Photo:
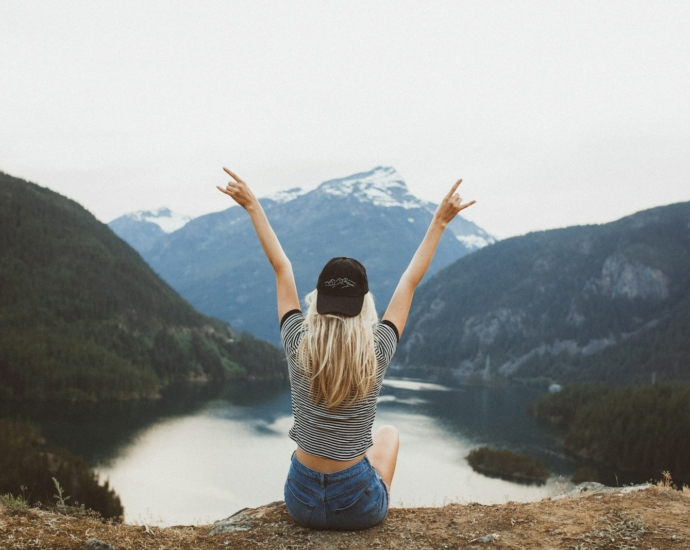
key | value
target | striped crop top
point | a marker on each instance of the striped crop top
(343, 432)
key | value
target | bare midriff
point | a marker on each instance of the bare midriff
(322, 464)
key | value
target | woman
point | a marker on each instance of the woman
(340, 476)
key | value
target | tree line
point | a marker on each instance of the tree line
(28, 467)
(642, 429)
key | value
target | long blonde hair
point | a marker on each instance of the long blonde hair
(337, 353)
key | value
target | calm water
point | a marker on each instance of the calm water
(202, 452)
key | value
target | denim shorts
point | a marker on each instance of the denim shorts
(350, 499)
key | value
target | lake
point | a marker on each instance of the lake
(202, 452)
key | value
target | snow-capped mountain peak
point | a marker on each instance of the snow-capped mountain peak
(287, 195)
(381, 186)
(163, 217)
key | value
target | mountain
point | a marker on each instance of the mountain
(143, 228)
(83, 317)
(216, 262)
(602, 302)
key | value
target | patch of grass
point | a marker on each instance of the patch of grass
(617, 529)
(60, 499)
(14, 503)
(76, 510)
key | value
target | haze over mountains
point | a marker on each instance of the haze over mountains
(216, 262)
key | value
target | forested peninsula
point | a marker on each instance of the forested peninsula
(82, 316)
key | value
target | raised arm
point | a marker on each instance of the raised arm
(399, 306)
(286, 289)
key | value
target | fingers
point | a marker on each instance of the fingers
(454, 188)
(231, 173)
(222, 190)
(454, 201)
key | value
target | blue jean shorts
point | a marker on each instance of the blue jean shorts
(350, 499)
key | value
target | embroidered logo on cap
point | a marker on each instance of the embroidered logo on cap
(339, 283)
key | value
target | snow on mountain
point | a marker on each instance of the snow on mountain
(382, 186)
(475, 241)
(143, 229)
(287, 195)
(163, 217)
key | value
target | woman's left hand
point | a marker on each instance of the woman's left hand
(450, 206)
(238, 190)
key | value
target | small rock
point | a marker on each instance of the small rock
(591, 487)
(242, 520)
(239, 521)
(95, 544)
(491, 537)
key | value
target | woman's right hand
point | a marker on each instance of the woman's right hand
(239, 191)
(450, 206)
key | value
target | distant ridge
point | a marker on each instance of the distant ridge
(142, 229)
(83, 317)
(216, 262)
(604, 303)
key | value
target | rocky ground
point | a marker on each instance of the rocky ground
(591, 517)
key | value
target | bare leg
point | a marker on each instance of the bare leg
(384, 454)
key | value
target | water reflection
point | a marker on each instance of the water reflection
(98, 431)
(201, 453)
(414, 385)
(496, 417)
(234, 451)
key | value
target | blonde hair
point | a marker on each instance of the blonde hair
(337, 353)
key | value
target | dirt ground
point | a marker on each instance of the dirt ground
(657, 517)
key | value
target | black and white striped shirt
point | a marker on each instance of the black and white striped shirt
(343, 432)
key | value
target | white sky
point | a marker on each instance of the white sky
(554, 113)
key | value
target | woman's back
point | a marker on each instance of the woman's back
(342, 432)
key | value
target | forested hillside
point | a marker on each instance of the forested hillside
(602, 303)
(636, 428)
(83, 317)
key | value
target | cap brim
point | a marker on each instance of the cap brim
(350, 306)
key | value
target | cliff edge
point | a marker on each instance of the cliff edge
(590, 517)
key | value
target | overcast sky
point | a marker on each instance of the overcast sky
(555, 113)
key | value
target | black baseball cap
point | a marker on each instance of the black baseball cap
(341, 287)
